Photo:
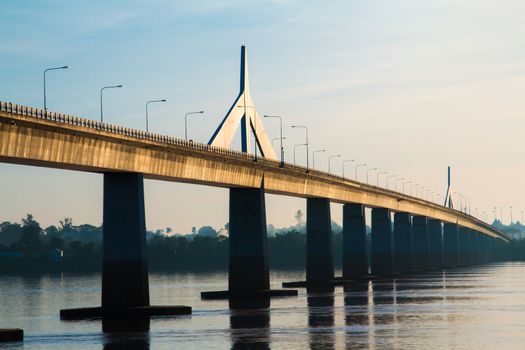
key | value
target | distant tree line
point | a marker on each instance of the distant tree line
(26, 247)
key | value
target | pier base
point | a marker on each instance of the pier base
(102, 312)
(11, 334)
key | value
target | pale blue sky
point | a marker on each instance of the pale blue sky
(408, 86)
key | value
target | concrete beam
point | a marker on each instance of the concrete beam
(355, 255)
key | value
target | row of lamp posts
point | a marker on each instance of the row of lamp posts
(116, 87)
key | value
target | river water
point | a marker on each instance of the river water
(480, 307)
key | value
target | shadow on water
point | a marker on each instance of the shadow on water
(126, 333)
(250, 328)
(321, 319)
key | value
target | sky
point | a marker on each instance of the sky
(407, 86)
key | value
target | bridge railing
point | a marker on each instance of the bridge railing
(88, 123)
(110, 128)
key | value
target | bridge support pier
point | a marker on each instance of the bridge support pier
(464, 246)
(435, 242)
(476, 256)
(421, 246)
(355, 256)
(319, 250)
(403, 243)
(485, 247)
(125, 287)
(248, 273)
(450, 245)
(382, 257)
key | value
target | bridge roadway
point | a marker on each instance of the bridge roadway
(53, 140)
(125, 156)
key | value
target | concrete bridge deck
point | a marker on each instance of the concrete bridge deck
(32, 136)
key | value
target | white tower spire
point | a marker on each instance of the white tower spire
(243, 112)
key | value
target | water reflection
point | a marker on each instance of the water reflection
(250, 328)
(321, 320)
(126, 333)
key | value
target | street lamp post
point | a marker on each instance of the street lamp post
(147, 117)
(313, 156)
(101, 90)
(330, 159)
(396, 182)
(368, 172)
(281, 134)
(378, 174)
(307, 145)
(356, 167)
(412, 185)
(186, 122)
(276, 139)
(295, 149)
(405, 183)
(343, 165)
(45, 71)
(387, 178)
(460, 201)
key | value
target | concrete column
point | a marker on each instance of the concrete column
(464, 246)
(402, 242)
(450, 245)
(355, 255)
(125, 267)
(382, 257)
(482, 248)
(248, 262)
(319, 250)
(486, 248)
(435, 242)
(421, 246)
(476, 254)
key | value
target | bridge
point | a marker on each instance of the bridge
(422, 235)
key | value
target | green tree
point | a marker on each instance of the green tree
(31, 240)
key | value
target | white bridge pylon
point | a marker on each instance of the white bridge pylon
(243, 112)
